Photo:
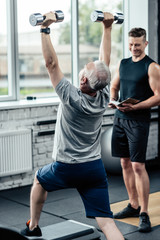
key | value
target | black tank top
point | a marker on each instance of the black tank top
(134, 84)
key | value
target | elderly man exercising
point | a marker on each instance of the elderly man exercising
(77, 152)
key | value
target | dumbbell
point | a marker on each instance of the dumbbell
(98, 16)
(37, 18)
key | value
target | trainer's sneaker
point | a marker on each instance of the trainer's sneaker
(144, 223)
(35, 232)
(129, 211)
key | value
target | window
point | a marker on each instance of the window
(34, 79)
(76, 41)
(90, 33)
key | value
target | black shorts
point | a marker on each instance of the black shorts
(129, 139)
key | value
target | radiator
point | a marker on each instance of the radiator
(15, 152)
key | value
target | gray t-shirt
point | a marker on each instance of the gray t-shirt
(78, 127)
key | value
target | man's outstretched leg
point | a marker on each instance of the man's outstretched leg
(37, 198)
(109, 228)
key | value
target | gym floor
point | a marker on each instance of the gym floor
(66, 204)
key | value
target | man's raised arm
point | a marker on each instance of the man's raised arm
(105, 47)
(49, 53)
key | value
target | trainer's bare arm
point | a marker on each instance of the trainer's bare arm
(105, 47)
(154, 82)
(49, 53)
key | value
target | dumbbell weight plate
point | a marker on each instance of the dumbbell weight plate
(59, 15)
(36, 19)
(97, 16)
(118, 18)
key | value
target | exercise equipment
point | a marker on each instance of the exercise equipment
(37, 18)
(66, 230)
(98, 16)
(70, 229)
(111, 164)
(7, 233)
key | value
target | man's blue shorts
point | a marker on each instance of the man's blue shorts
(88, 178)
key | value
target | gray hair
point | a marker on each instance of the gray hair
(99, 77)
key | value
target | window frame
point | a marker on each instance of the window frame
(75, 41)
(12, 40)
(12, 51)
(13, 55)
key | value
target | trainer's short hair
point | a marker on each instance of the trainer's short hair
(137, 32)
(99, 77)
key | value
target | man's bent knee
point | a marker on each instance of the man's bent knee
(104, 221)
(36, 179)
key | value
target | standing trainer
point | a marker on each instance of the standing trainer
(136, 77)
(77, 152)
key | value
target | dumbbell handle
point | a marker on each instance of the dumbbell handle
(37, 18)
(98, 16)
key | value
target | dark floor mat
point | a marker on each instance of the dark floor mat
(153, 235)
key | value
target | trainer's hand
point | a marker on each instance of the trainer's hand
(127, 107)
(50, 18)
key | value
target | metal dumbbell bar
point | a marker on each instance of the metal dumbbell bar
(37, 18)
(98, 16)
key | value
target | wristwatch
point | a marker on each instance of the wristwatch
(45, 30)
